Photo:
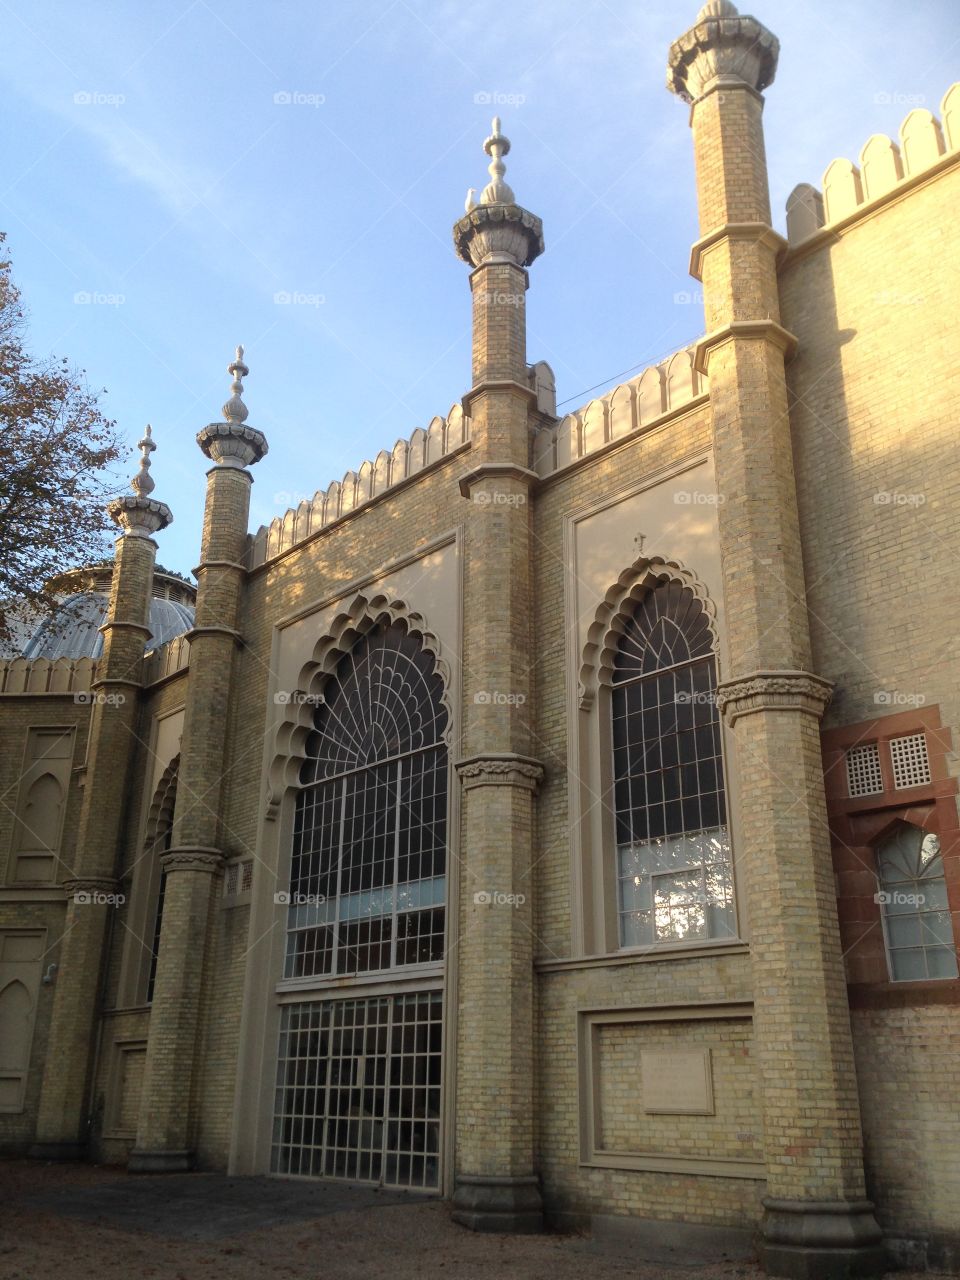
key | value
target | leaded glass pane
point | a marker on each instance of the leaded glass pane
(917, 924)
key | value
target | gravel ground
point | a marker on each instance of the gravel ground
(59, 1221)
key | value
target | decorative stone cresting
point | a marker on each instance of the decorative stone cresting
(192, 859)
(359, 487)
(773, 691)
(652, 394)
(924, 141)
(166, 660)
(354, 621)
(613, 614)
(47, 675)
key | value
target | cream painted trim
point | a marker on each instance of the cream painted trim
(363, 986)
(252, 1119)
(358, 584)
(833, 231)
(592, 1155)
(594, 927)
(388, 493)
(611, 446)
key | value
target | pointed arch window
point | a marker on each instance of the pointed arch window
(368, 873)
(673, 846)
(917, 925)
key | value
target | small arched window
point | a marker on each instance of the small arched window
(368, 873)
(673, 847)
(917, 928)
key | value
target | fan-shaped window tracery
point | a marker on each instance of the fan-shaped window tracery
(368, 873)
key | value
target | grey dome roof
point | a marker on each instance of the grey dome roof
(74, 630)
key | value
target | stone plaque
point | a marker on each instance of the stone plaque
(677, 1082)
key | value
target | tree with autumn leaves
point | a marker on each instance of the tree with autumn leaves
(55, 444)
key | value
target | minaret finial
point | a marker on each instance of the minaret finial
(235, 410)
(497, 146)
(142, 483)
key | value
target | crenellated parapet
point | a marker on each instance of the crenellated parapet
(923, 141)
(47, 675)
(166, 660)
(357, 488)
(655, 393)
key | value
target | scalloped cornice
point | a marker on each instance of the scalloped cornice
(603, 636)
(361, 615)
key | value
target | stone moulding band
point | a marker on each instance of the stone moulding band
(500, 769)
(763, 330)
(759, 232)
(490, 470)
(517, 389)
(192, 858)
(773, 691)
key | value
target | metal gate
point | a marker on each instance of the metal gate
(358, 1090)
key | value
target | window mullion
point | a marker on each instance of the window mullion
(335, 967)
(396, 868)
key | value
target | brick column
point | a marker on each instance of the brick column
(497, 1188)
(193, 862)
(92, 884)
(817, 1221)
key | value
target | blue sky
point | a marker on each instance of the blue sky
(148, 163)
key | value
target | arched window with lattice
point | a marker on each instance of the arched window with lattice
(674, 874)
(368, 872)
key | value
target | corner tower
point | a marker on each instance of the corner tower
(817, 1221)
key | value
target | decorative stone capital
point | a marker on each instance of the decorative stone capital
(722, 49)
(500, 769)
(192, 858)
(499, 233)
(90, 885)
(773, 691)
(139, 517)
(232, 445)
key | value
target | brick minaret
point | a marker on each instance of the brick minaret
(817, 1222)
(497, 1187)
(92, 882)
(192, 864)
